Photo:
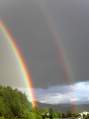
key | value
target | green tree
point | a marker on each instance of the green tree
(59, 114)
(63, 115)
(2, 117)
(50, 110)
(2, 107)
(51, 113)
(87, 116)
(28, 115)
(69, 114)
(45, 110)
(54, 115)
(13, 103)
(72, 114)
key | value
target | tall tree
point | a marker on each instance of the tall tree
(59, 114)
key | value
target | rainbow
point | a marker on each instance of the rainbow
(57, 42)
(25, 73)
(56, 38)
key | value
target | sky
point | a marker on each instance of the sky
(52, 36)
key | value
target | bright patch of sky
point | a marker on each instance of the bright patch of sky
(76, 94)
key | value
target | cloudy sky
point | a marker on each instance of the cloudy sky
(52, 36)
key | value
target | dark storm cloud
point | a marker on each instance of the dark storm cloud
(30, 30)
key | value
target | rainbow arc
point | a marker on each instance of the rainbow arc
(17, 53)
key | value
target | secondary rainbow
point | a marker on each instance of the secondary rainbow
(25, 73)
(58, 43)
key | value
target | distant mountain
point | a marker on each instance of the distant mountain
(65, 107)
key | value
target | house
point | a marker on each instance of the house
(84, 113)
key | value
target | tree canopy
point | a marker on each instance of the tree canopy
(13, 102)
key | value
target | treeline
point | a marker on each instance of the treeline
(15, 105)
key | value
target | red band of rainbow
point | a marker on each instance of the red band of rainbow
(27, 76)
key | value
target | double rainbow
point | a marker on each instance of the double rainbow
(27, 76)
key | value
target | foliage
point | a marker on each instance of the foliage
(37, 113)
(2, 118)
(72, 114)
(86, 116)
(13, 102)
(54, 115)
(51, 111)
(15, 105)
(59, 114)
(2, 107)
(28, 114)
(45, 110)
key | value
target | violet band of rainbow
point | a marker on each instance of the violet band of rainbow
(24, 70)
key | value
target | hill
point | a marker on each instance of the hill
(65, 107)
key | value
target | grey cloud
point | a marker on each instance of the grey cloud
(77, 94)
(28, 25)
